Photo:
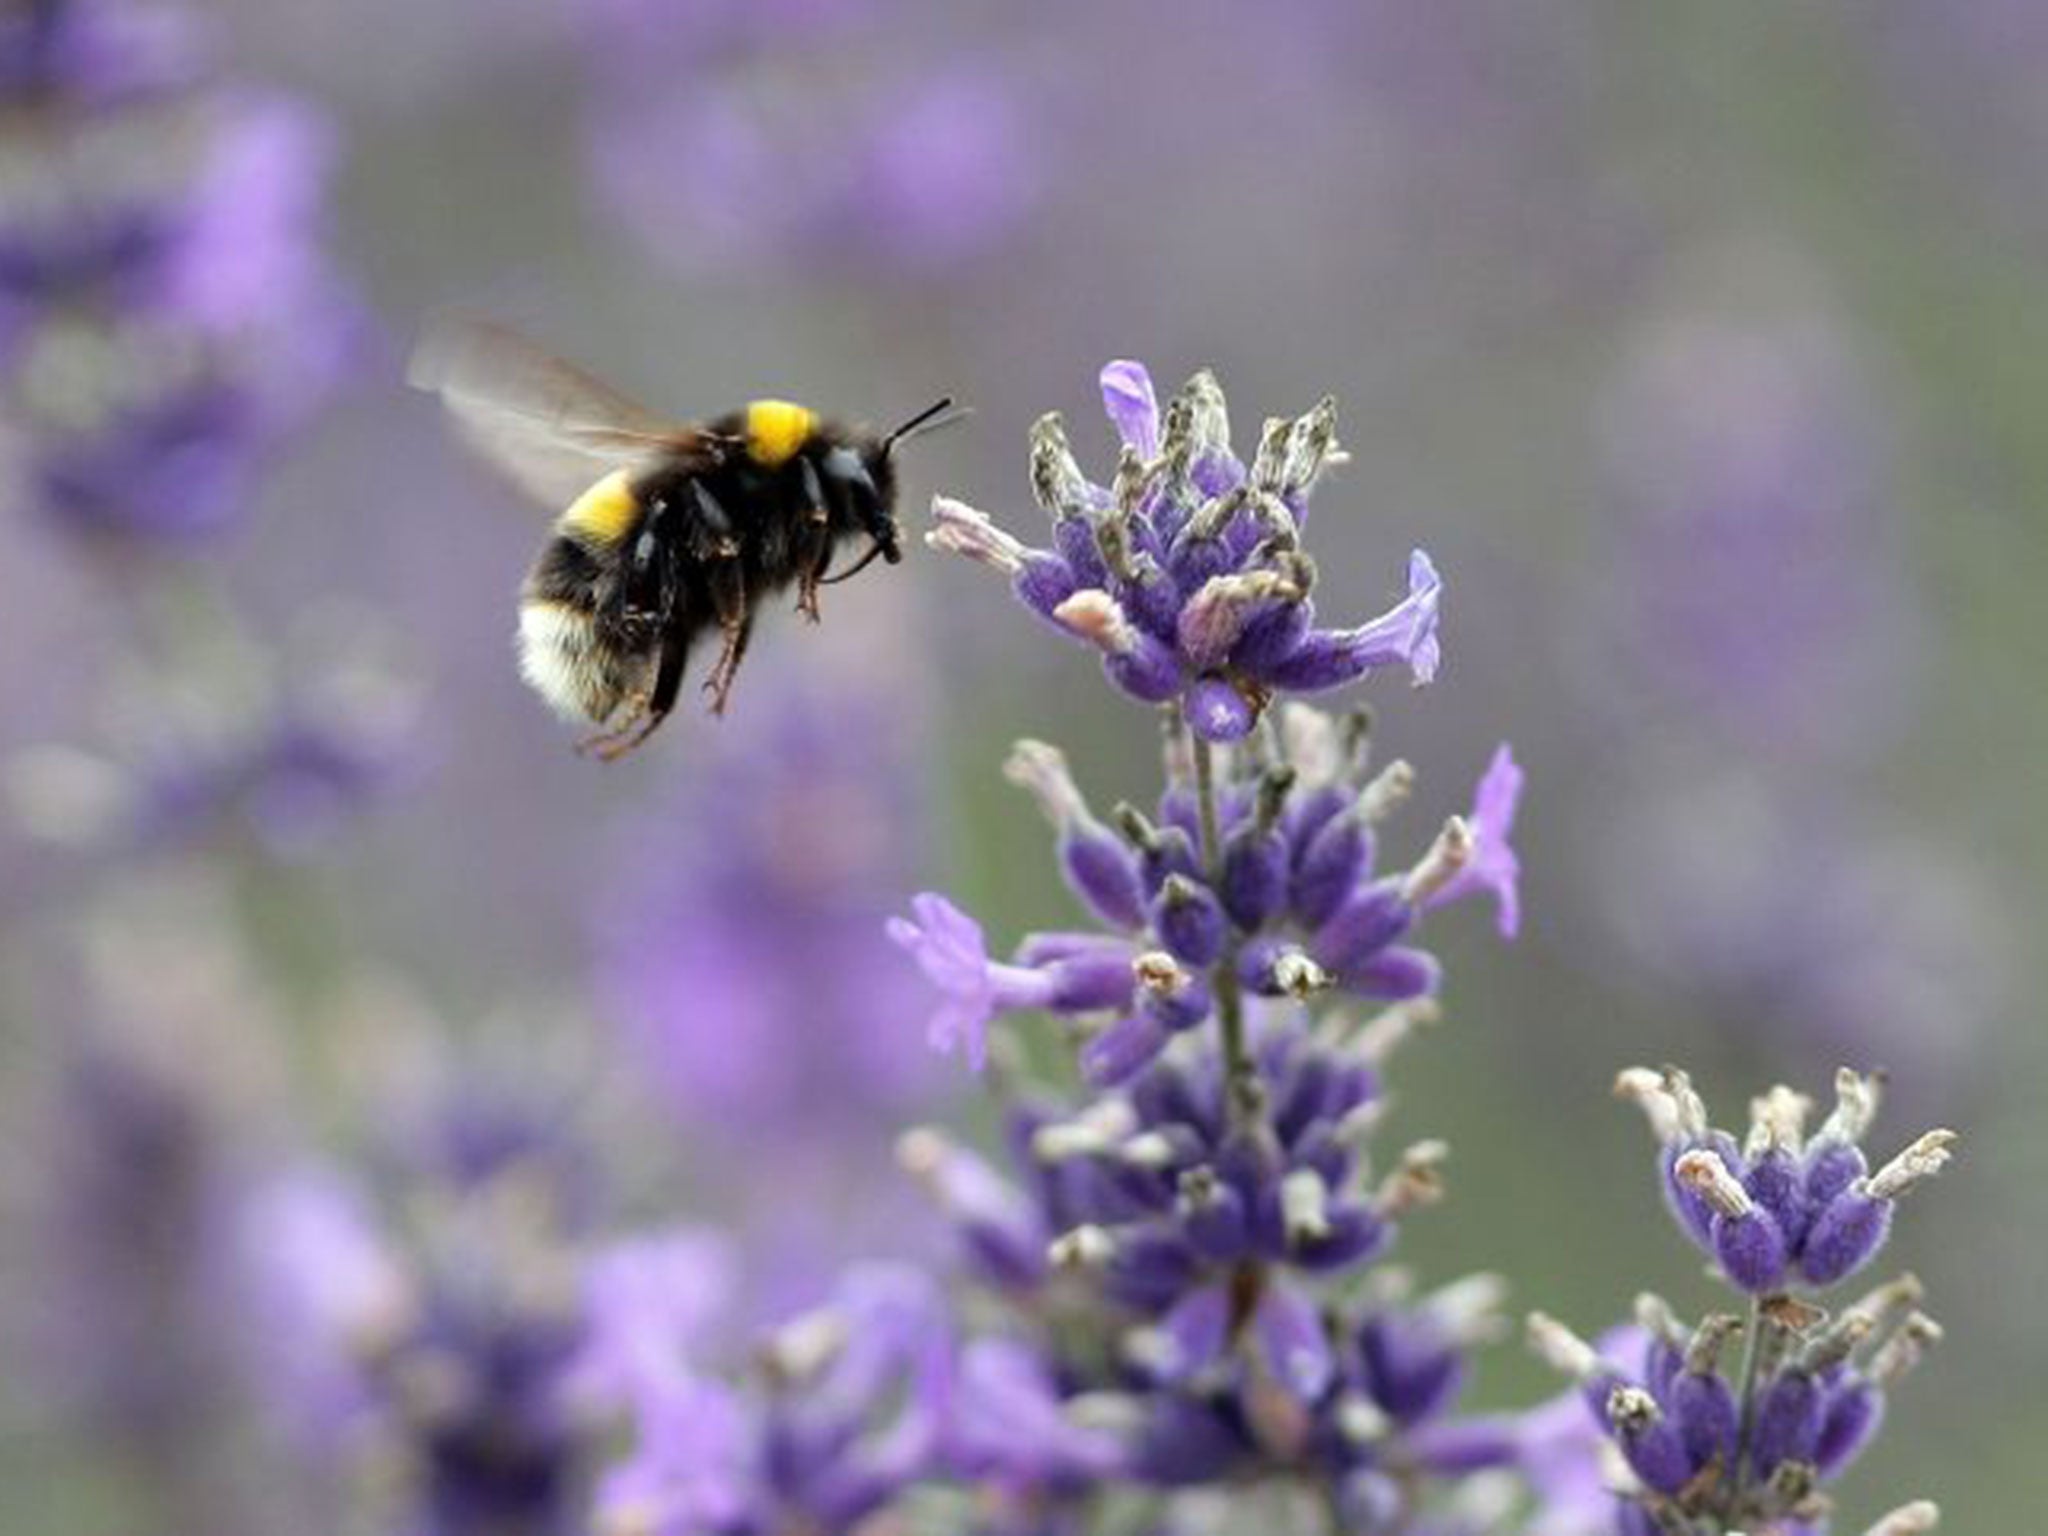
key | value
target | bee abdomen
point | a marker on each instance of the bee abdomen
(566, 661)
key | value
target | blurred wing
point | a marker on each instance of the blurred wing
(549, 425)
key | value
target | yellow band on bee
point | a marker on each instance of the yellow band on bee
(776, 429)
(606, 512)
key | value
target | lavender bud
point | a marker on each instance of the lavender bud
(1085, 982)
(1844, 1237)
(1652, 1446)
(1074, 540)
(1179, 999)
(1254, 885)
(1854, 1414)
(1189, 921)
(1366, 923)
(1354, 1236)
(1191, 1337)
(1043, 582)
(1000, 1230)
(1832, 1167)
(1773, 1181)
(1292, 1341)
(1123, 1050)
(1099, 868)
(1135, 661)
(1788, 1423)
(1412, 1367)
(1219, 710)
(1746, 1239)
(1330, 867)
(1704, 1409)
(1394, 975)
(1215, 619)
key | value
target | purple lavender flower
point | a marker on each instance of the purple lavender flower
(1186, 573)
(850, 1410)
(1296, 903)
(166, 314)
(1780, 1209)
(1748, 1449)
(1189, 1210)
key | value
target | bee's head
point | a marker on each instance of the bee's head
(879, 514)
(881, 467)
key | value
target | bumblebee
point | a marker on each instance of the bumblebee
(671, 530)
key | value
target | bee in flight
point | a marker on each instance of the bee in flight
(671, 529)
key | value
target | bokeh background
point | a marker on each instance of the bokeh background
(1705, 347)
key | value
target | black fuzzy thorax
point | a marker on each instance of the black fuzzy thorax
(752, 532)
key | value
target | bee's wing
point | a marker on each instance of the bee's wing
(548, 424)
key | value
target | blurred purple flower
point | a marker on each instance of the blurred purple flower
(1768, 604)
(137, 1143)
(813, 135)
(1752, 506)
(455, 1336)
(851, 1410)
(740, 950)
(136, 1187)
(283, 766)
(166, 314)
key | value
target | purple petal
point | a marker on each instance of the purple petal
(1291, 1337)
(1405, 634)
(1123, 1050)
(948, 946)
(1194, 1333)
(1493, 867)
(1128, 398)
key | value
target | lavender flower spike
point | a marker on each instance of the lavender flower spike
(1713, 1446)
(1186, 571)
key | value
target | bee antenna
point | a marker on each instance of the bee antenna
(931, 419)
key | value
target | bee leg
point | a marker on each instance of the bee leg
(608, 745)
(648, 711)
(813, 542)
(738, 632)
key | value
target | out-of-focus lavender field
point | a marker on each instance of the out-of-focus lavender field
(1705, 348)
